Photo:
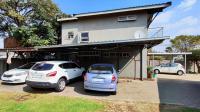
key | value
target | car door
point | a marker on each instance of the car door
(69, 70)
(164, 68)
(77, 70)
(173, 68)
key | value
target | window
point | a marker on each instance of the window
(103, 69)
(42, 66)
(69, 65)
(122, 18)
(165, 65)
(131, 17)
(70, 35)
(85, 36)
(127, 18)
(173, 65)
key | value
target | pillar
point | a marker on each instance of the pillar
(144, 63)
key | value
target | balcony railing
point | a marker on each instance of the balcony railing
(156, 32)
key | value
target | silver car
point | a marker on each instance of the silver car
(101, 77)
(176, 68)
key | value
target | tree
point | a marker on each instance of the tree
(169, 49)
(184, 43)
(195, 57)
(37, 19)
(187, 43)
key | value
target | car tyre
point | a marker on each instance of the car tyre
(114, 92)
(60, 85)
(34, 88)
(86, 90)
(180, 72)
(156, 71)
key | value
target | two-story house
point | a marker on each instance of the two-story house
(117, 36)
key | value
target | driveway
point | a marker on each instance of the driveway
(184, 90)
(133, 90)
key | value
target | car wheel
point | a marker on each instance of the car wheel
(180, 72)
(86, 90)
(114, 92)
(60, 85)
(156, 71)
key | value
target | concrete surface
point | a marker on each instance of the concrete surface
(183, 90)
(142, 91)
(173, 89)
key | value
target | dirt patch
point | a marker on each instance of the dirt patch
(21, 98)
(131, 107)
(145, 107)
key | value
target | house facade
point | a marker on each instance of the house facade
(121, 26)
(120, 37)
(117, 36)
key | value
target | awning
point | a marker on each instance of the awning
(148, 42)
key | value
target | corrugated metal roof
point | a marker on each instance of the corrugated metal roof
(129, 41)
(142, 41)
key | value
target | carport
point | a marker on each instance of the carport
(172, 54)
(128, 56)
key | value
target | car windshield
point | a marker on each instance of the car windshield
(103, 69)
(42, 66)
(26, 66)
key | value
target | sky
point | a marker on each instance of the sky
(183, 17)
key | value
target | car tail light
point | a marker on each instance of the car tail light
(85, 77)
(51, 74)
(113, 78)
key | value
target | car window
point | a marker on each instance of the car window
(174, 65)
(26, 66)
(42, 66)
(100, 69)
(68, 65)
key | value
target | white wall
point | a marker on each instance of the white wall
(105, 28)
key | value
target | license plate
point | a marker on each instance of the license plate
(37, 76)
(98, 80)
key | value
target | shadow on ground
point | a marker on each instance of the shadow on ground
(37, 90)
(179, 92)
(76, 86)
(79, 88)
(12, 84)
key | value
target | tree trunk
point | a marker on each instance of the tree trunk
(198, 66)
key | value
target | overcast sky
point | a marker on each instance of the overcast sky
(183, 17)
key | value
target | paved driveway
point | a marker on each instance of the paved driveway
(183, 90)
(142, 91)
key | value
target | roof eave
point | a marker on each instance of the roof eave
(139, 8)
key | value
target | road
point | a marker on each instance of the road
(178, 91)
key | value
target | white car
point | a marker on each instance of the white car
(53, 74)
(17, 75)
(176, 68)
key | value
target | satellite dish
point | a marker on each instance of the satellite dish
(139, 34)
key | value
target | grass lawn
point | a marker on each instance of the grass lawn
(18, 102)
(46, 103)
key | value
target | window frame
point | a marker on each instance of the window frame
(85, 38)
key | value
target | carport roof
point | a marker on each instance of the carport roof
(150, 42)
